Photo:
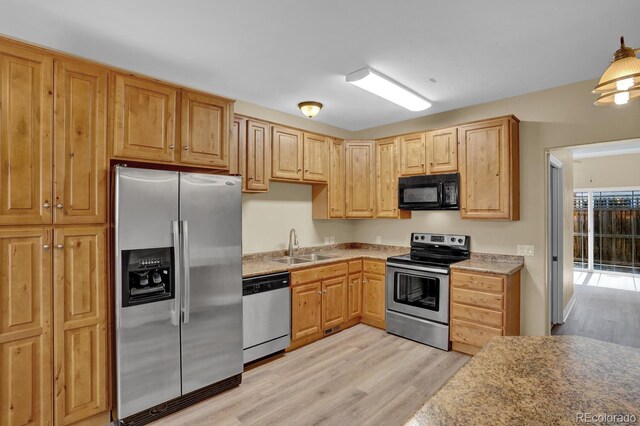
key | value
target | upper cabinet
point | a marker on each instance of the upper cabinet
(205, 130)
(360, 179)
(80, 154)
(387, 178)
(26, 102)
(286, 153)
(442, 150)
(316, 158)
(329, 199)
(490, 170)
(144, 119)
(413, 155)
(258, 156)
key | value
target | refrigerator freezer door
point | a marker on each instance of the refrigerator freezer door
(147, 343)
(212, 337)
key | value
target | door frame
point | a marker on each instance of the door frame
(555, 191)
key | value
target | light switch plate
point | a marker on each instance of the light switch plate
(332, 240)
(327, 240)
(378, 239)
(524, 250)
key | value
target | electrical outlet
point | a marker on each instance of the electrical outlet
(332, 240)
(378, 239)
(524, 250)
(327, 240)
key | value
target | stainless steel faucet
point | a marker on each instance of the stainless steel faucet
(293, 244)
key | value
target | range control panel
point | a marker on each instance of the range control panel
(450, 240)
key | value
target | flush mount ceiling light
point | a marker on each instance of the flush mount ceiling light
(621, 81)
(381, 85)
(310, 108)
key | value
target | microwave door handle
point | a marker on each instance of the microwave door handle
(175, 310)
(440, 194)
(187, 278)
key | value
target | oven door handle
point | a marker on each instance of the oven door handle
(419, 268)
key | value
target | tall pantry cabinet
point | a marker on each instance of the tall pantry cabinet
(53, 177)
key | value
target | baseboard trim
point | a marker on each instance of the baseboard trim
(568, 308)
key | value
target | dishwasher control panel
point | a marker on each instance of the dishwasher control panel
(264, 283)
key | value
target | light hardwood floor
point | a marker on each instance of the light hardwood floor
(604, 314)
(360, 376)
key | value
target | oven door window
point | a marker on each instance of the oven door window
(415, 290)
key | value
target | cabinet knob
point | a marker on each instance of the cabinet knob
(46, 205)
(46, 247)
(306, 171)
(350, 285)
(299, 170)
(59, 206)
(171, 146)
(319, 292)
(186, 148)
(60, 246)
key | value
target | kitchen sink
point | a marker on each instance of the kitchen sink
(315, 256)
(290, 260)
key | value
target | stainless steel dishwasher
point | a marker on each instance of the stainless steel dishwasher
(266, 315)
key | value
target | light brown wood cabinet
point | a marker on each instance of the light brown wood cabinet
(355, 290)
(26, 100)
(490, 170)
(306, 312)
(334, 302)
(413, 155)
(286, 153)
(258, 156)
(442, 150)
(483, 306)
(80, 146)
(79, 323)
(205, 130)
(329, 200)
(25, 326)
(373, 293)
(387, 180)
(360, 179)
(316, 158)
(144, 119)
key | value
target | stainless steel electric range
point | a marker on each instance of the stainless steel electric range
(417, 287)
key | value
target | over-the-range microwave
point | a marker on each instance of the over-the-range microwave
(430, 192)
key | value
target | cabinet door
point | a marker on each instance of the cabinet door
(80, 185)
(386, 179)
(286, 153)
(205, 130)
(239, 136)
(258, 156)
(412, 155)
(80, 348)
(373, 304)
(485, 170)
(26, 111)
(316, 158)
(360, 179)
(25, 334)
(306, 314)
(442, 150)
(355, 296)
(334, 302)
(336, 178)
(143, 119)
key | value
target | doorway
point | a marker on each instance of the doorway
(556, 244)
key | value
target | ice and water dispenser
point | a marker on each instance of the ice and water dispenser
(147, 276)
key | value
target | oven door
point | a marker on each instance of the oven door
(419, 291)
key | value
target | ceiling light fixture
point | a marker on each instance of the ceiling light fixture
(621, 80)
(381, 85)
(310, 108)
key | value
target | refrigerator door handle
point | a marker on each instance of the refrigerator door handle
(175, 310)
(187, 279)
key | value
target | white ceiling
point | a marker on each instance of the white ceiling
(607, 149)
(278, 53)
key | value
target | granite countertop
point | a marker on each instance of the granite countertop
(491, 263)
(260, 263)
(538, 380)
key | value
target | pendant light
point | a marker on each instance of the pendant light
(620, 83)
(310, 108)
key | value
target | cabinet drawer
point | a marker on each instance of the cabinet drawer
(475, 298)
(479, 315)
(355, 266)
(374, 267)
(472, 334)
(319, 273)
(477, 282)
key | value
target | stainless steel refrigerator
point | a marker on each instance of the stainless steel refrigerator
(178, 295)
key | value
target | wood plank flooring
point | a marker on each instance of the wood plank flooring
(604, 314)
(360, 376)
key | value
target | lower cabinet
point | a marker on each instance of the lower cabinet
(334, 302)
(483, 306)
(306, 312)
(355, 290)
(373, 286)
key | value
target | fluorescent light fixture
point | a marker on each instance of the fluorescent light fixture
(381, 85)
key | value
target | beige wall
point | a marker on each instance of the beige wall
(553, 118)
(267, 219)
(616, 171)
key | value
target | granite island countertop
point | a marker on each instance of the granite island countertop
(262, 263)
(491, 263)
(538, 380)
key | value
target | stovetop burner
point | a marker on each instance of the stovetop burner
(437, 250)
